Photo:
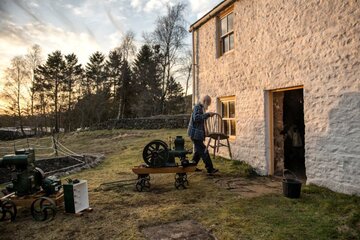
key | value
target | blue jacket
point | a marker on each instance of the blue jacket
(196, 129)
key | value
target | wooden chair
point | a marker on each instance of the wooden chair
(214, 130)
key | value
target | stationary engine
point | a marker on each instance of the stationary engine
(158, 154)
(26, 178)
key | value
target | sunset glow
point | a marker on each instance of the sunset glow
(81, 26)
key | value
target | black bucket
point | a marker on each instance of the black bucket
(291, 186)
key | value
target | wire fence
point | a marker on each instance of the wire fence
(45, 148)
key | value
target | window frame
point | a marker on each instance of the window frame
(222, 37)
(227, 99)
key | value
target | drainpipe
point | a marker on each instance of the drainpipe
(195, 66)
(193, 69)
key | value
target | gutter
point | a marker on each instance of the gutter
(211, 14)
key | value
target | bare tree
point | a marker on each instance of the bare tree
(186, 68)
(127, 47)
(169, 34)
(33, 60)
(187, 65)
(16, 76)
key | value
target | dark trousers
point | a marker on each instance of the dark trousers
(202, 152)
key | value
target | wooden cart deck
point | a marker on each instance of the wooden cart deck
(26, 201)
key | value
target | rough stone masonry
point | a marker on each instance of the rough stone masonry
(280, 44)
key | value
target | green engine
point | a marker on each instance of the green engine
(158, 154)
(27, 179)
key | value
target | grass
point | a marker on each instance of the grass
(120, 212)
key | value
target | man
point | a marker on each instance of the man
(196, 132)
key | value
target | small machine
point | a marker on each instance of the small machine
(26, 178)
(30, 182)
(158, 154)
(161, 159)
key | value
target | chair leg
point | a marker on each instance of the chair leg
(218, 145)
(208, 144)
(228, 143)
(215, 148)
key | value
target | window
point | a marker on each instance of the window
(227, 33)
(227, 110)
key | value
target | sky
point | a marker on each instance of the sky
(79, 26)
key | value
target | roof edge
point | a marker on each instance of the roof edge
(211, 14)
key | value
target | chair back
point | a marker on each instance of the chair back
(214, 125)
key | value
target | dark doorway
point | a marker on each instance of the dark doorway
(289, 129)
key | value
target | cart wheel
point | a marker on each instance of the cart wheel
(8, 211)
(181, 181)
(139, 186)
(186, 183)
(143, 184)
(146, 184)
(43, 209)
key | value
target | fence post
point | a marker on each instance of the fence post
(54, 145)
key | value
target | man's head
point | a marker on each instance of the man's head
(206, 101)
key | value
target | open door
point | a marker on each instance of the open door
(287, 132)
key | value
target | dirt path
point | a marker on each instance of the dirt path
(250, 187)
(184, 230)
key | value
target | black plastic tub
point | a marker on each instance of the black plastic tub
(291, 188)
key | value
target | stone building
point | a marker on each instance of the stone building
(285, 75)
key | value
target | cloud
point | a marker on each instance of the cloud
(201, 7)
(137, 4)
(34, 4)
(26, 7)
(197, 7)
(115, 38)
(76, 7)
(153, 5)
(62, 16)
(113, 20)
(16, 39)
(150, 6)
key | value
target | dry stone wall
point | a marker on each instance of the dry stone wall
(158, 122)
(280, 44)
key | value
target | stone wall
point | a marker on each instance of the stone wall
(6, 135)
(281, 44)
(157, 122)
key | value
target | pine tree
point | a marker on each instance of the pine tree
(49, 79)
(125, 91)
(175, 100)
(113, 73)
(95, 74)
(73, 74)
(147, 83)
